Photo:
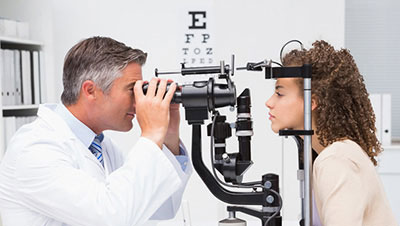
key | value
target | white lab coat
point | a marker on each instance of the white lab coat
(48, 177)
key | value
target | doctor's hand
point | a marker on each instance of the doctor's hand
(152, 109)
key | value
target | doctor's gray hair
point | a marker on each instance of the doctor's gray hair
(99, 59)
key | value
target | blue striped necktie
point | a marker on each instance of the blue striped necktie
(95, 148)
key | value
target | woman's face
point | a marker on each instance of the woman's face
(286, 108)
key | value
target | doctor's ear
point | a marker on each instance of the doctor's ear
(89, 90)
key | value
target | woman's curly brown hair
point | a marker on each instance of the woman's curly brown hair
(344, 110)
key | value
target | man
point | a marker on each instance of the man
(61, 170)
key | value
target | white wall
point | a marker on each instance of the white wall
(253, 30)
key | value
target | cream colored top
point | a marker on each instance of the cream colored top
(347, 188)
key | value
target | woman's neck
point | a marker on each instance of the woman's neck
(316, 145)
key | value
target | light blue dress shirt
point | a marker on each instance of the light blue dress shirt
(86, 135)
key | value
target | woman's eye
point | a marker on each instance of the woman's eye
(279, 94)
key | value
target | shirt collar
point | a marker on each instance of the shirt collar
(80, 130)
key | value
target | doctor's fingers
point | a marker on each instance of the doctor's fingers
(162, 86)
(152, 87)
(138, 89)
(170, 94)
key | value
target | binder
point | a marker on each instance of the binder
(36, 77)
(11, 78)
(8, 77)
(386, 119)
(22, 30)
(17, 78)
(8, 27)
(6, 72)
(42, 77)
(376, 101)
(2, 76)
(26, 77)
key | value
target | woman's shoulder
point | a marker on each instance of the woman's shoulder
(345, 151)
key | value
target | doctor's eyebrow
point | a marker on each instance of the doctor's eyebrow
(279, 87)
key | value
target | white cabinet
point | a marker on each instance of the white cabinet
(20, 85)
(389, 171)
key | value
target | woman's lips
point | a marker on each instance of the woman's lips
(271, 116)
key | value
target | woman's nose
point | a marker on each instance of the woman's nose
(268, 103)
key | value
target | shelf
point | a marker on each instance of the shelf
(19, 44)
(27, 48)
(19, 41)
(20, 110)
(20, 107)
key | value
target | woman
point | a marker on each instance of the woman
(346, 187)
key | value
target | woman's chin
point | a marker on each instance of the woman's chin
(275, 129)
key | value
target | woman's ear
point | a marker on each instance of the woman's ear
(314, 102)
